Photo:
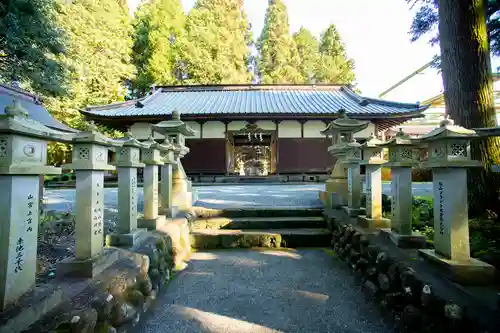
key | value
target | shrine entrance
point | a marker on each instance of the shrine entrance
(251, 152)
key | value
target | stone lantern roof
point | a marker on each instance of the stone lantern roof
(449, 146)
(372, 151)
(344, 124)
(174, 126)
(403, 151)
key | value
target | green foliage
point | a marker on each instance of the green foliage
(308, 48)
(278, 56)
(218, 43)
(334, 66)
(29, 43)
(426, 20)
(159, 38)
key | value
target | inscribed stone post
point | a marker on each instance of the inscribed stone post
(151, 157)
(449, 157)
(127, 164)
(403, 156)
(372, 160)
(23, 155)
(90, 161)
(353, 157)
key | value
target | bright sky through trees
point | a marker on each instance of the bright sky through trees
(375, 34)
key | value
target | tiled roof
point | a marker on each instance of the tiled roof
(254, 100)
(32, 104)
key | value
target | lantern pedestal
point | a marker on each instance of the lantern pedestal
(87, 268)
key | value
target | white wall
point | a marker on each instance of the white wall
(289, 129)
(142, 131)
(214, 130)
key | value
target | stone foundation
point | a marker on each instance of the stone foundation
(415, 294)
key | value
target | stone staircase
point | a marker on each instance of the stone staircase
(272, 228)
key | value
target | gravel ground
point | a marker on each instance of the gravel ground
(225, 196)
(247, 291)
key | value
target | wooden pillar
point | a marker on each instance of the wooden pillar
(276, 122)
(226, 151)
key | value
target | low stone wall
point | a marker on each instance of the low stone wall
(417, 297)
(116, 298)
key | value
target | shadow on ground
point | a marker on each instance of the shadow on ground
(303, 290)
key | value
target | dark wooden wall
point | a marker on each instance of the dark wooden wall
(207, 156)
(305, 155)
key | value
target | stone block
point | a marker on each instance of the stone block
(150, 224)
(125, 240)
(413, 241)
(87, 268)
(353, 212)
(467, 272)
(373, 224)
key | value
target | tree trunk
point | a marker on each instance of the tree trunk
(468, 91)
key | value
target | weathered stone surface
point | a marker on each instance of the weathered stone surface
(383, 262)
(145, 265)
(411, 317)
(371, 289)
(103, 305)
(83, 321)
(136, 298)
(453, 312)
(383, 282)
(145, 285)
(395, 300)
(122, 313)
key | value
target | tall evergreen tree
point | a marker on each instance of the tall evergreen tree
(158, 41)
(29, 41)
(468, 90)
(279, 59)
(308, 49)
(218, 43)
(334, 65)
(97, 53)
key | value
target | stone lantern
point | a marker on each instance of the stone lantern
(156, 155)
(449, 159)
(90, 160)
(128, 161)
(351, 161)
(372, 159)
(341, 131)
(403, 156)
(23, 158)
(181, 193)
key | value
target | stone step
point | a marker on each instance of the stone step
(246, 223)
(203, 212)
(272, 238)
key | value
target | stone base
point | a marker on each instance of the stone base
(150, 224)
(353, 212)
(171, 212)
(130, 239)
(468, 272)
(371, 224)
(413, 241)
(87, 268)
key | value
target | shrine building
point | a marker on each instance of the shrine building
(254, 130)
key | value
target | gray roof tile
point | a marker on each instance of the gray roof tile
(254, 99)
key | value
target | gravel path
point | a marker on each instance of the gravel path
(247, 291)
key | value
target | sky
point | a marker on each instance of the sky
(375, 34)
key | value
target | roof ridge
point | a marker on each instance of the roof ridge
(249, 87)
(114, 105)
(36, 99)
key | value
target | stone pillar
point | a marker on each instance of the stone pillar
(90, 161)
(449, 157)
(127, 164)
(337, 185)
(23, 155)
(168, 208)
(354, 188)
(177, 131)
(151, 197)
(403, 156)
(373, 157)
(182, 197)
